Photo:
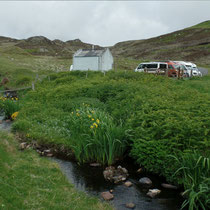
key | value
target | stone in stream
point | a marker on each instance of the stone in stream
(95, 164)
(23, 145)
(8, 121)
(1, 121)
(153, 192)
(49, 155)
(39, 151)
(107, 196)
(115, 175)
(169, 186)
(128, 184)
(139, 170)
(46, 151)
(145, 181)
(130, 205)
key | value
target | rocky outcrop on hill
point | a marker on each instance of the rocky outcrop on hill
(40, 45)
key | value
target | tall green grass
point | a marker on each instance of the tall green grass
(195, 172)
(94, 135)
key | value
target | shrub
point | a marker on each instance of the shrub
(155, 157)
(9, 106)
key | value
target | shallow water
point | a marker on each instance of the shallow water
(90, 179)
(5, 125)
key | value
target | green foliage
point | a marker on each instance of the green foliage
(9, 106)
(94, 136)
(155, 157)
(195, 172)
(163, 116)
(26, 80)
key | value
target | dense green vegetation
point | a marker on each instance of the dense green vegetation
(99, 118)
(30, 182)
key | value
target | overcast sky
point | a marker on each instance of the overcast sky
(99, 22)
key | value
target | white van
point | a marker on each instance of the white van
(191, 68)
(196, 71)
(152, 67)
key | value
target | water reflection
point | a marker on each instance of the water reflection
(91, 180)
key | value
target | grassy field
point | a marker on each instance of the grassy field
(21, 68)
(30, 182)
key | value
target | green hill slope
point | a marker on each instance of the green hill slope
(191, 44)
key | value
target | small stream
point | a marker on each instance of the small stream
(90, 180)
(4, 125)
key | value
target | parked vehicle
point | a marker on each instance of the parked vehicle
(190, 68)
(172, 69)
(152, 67)
(196, 71)
(187, 67)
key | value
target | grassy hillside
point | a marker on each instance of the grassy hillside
(21, 67)
(22, 60)
(30, 182)
(190, 44)
(205, 24)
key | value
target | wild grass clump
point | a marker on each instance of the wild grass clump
(194, 170)
(94, 136)
(9, 106)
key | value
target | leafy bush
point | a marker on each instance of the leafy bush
(9, 106)
(155, 157)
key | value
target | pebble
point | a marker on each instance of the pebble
(107, 196)
(145, 180)
(128, 184)
(153, 192)
(49, 155)
(169, 186)
(130, 205)
(139, 170)
(95, 164)
(22, 145)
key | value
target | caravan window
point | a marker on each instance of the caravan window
(163, 66)
(152, 66)
(142, 66)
